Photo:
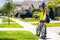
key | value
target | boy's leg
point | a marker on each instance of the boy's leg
(45, 29)
(38, 33)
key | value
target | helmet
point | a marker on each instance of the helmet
(40, 6)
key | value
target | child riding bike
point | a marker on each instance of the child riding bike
(43, 18)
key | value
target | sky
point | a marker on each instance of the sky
(3, 1)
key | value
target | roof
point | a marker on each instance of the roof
(17, 2)
(27, 4)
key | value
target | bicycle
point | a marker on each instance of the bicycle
(43, 32)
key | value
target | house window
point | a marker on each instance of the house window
(57, 11)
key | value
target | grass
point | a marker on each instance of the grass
(12, 25)
(50, 24)
(53, 24)
(5, 19)
(13, 17)
(30, 20)
(17, 35)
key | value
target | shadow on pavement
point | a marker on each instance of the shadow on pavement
(46, 39)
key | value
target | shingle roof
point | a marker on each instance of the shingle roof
(27, 4)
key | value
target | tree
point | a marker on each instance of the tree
(51, 4)
(57, 1)
(8, 8)
(51, 7)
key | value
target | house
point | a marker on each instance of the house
(26, 4)
(57, 10)
(18, 5)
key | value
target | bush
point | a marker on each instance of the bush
(51, 4)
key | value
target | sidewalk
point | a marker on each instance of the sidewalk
(12, 29)
(55, 30)
(31, 28)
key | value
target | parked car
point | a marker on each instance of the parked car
(24, 14)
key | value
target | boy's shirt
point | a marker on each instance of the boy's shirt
(42, 16)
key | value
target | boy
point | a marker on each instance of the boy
(42, 16)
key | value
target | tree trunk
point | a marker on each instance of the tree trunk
(8, 19)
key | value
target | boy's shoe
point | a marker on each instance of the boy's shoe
(42, 37)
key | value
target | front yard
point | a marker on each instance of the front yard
(4, 19)
(29, 20)
(5, 24)
(17, 35)
(12, 25)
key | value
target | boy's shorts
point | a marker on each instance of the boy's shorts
(39, 28)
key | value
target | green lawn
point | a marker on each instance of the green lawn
(17, 35)
(30, 20)
(6, 20)
(12, 25)
(50, 24)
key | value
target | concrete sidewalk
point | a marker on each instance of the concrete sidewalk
(55, 30)
(31, 28)
(12, 29)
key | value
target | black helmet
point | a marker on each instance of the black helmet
(40, 6)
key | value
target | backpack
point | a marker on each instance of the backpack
(47, 18)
